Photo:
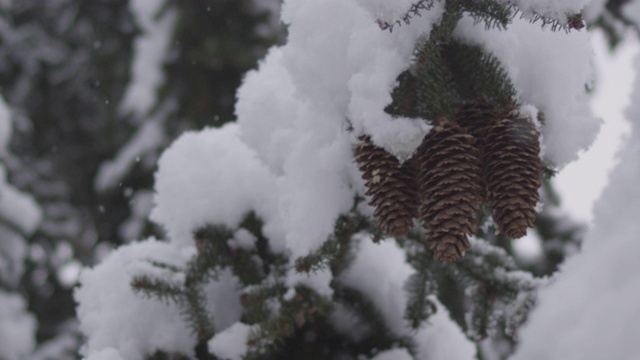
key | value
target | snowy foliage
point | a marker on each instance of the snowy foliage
(289, 160)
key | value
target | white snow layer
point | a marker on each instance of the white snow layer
(114, 317)
(231, 344)
(17, 328)
(591, 311)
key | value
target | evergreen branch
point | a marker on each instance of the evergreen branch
(404, 99)
(165, 266)
(500, 293)
(334, 251)
(163, 355)
(493, 14)
(436, 93)
(214, 253)
(194, 310)
(414, 10)
(256, 302)
(380, 336)
(573, 21)
(419, 287)
(293, 314)
(153, 287)
(478, 73)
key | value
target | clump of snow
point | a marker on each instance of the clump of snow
(17, 328)
(550, 70)
(379, 272)
(243, 239)
(111, 315)
(209, 177)
(442, 339)
(231, 344)
(319, 280)
(591, 311)
(223, 299)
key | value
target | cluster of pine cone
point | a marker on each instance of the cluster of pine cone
(485, 156)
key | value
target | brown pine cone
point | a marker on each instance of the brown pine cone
(512, 170)
(392, 187)
(475, 117)
(450, 189)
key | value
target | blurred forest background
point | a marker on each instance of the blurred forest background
(94, 91)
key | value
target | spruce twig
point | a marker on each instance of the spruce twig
(334, 251)
(415, 10)
(153, 287)
(194, 310)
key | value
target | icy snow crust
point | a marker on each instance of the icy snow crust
(289, 159)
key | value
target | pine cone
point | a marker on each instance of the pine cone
(393, 187)
(512, 172)
(475, 117)
(450, 189)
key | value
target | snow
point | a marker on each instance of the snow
(550, 71)
(149, 54)
(591, 311)
(441, 338)
(17, 328)
(112, 316)
(632, 11)
(231, 344)
(223, 300)
(243, 239)
(209, 177)
(379, 271)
